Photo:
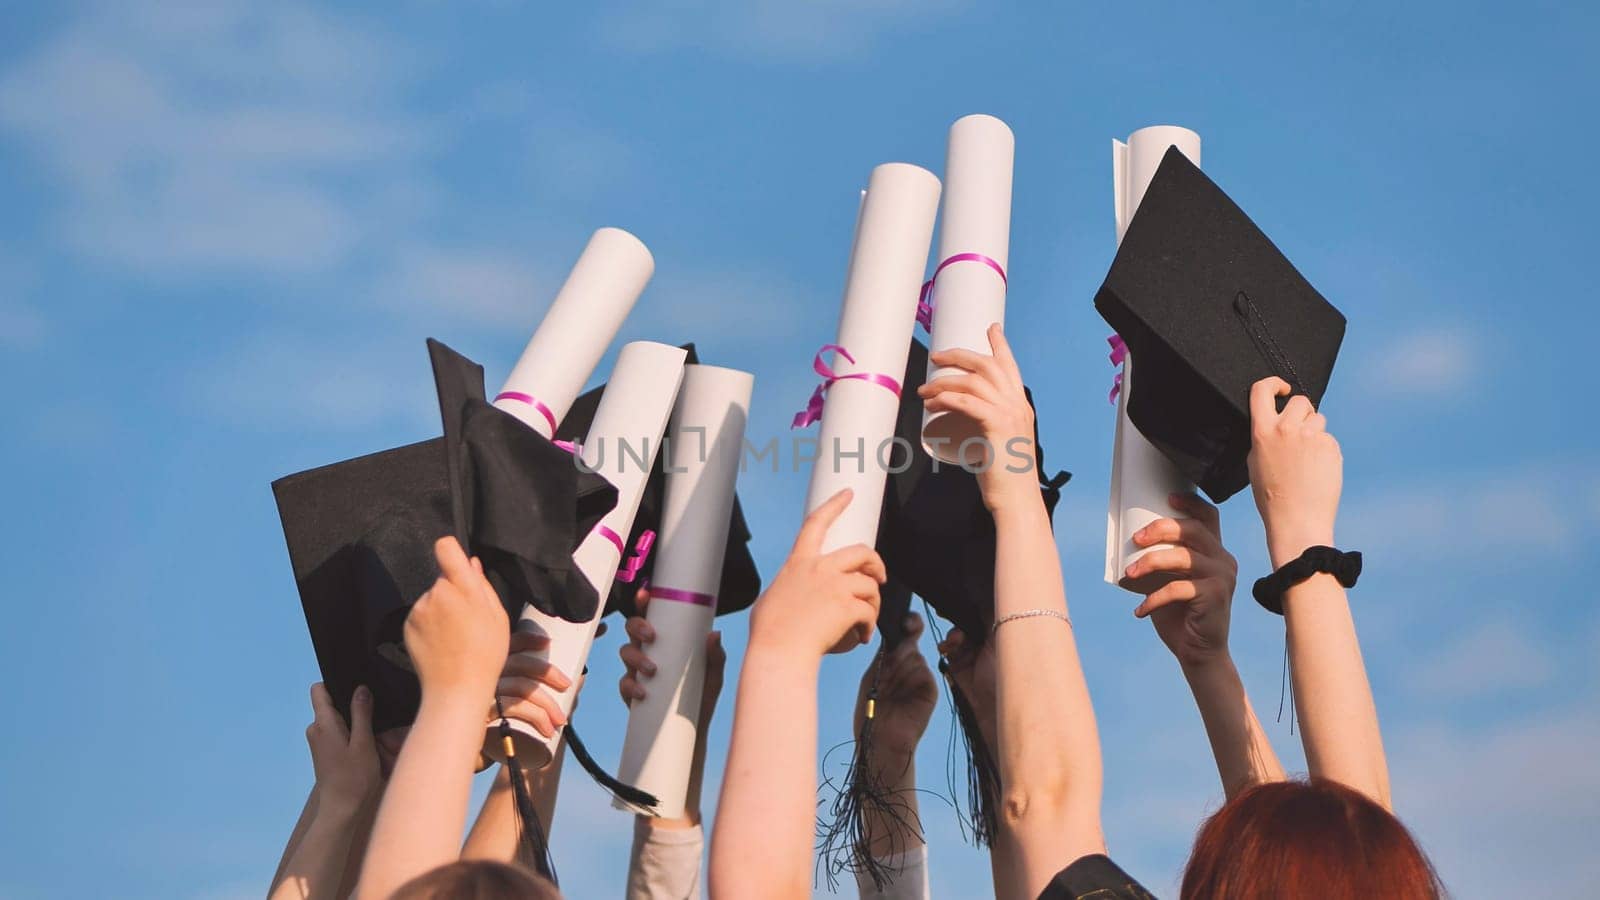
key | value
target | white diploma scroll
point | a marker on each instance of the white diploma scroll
(580, 325)
(969, 282)
(705, 445)
(876, 318)
(621, 445)
(1141, 476)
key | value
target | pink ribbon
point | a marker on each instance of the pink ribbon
(569, 446)
(1119, 353)
(538, 407)
(677, 596)
(813, 410)
(925, 301)
(641, 552)
(613, 537)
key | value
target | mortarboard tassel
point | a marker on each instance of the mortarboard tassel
(1286, 686)
(627, 793)
(983, 775)
(844, 844)
(531, 832)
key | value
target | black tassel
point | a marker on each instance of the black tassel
(982, 773)
(531, 830)
(627, 793)
(843, 844)
(1286, 685)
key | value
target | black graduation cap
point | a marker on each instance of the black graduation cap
(1208, 306)
(937, 541)
(741, 582)
(360, 534)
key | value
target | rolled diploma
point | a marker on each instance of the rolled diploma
(1141, 476)
(968, 297)
(575, 332)
(634, 410)
(706, 439)
(876, 318)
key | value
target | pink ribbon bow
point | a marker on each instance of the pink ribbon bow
(1119, 353)
(641, 552)
(925, 301)
(813, 410)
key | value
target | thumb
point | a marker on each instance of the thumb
(361, 716)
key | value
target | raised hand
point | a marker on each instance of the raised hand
(345, 759)
(521, 690)
(1191, 613)
(906, 696)
(1296, 471)
(457, 634)
(820, 603)
(992, 395)
(638, 669)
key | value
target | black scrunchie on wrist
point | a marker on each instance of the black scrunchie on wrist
(1345, 567)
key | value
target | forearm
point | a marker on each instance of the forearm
(1338, 719)
(360, 837)
(315, 869)
(1005, 862)
(897, 828)
(1048, 746)
(496, 834)
(765, 817)
(307, 812)
(1243, 753)
(425, 807)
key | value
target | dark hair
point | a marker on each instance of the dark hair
(1314, 838)
(478, 880)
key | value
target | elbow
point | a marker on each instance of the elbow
(1035, 800)
(1048, 800)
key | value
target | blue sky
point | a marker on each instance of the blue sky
(225, 232)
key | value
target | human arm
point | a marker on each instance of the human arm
(1047, 747)
(1191, 615)
(1296, 474)
(524, 692)
(664, 861)
(761, 846)
(458, 637)
(348, 783)
(971, 671)
(906, 696)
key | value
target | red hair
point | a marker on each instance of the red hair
(1313, 838)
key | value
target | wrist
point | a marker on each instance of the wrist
(337, 807)
(1019, 513)
(1004, 490)
(780, 657)
(1212, 666)
(1286, 543)
(784, 651)
(891, 762)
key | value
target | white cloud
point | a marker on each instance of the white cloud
(779, 30)
(471, 285)
(1527, 788)
(216, 135)
(1425, 364)
(1491, 659)
(285, 382)
(1540, 511)
(731, 304)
